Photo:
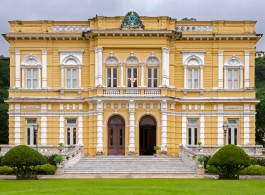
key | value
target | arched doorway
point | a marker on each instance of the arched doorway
(147, 135)
(116, 137)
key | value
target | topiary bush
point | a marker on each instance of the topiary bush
(212, 169)
(4, 170)
(258, 161)
(1, 157)
(46, 169)
(22, 158)
(253, 170)
(229, 161)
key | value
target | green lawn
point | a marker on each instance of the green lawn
(132, 186)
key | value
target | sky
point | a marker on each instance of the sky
(85, 9)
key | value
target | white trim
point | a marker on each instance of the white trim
(202, 125)
(80, 130)
(184, 129)
(99, 126)
(99, 66)
(44, 68)
(131, 126)
(61, 129)
(220, 68)
(220, 131)
(43, 130)
(246, 124)
(96, 67)
(17, 59)
(164, 125)
(247, 61)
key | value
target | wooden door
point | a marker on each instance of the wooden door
(116, 137)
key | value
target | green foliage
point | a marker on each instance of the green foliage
(58, 159)
(201, 159)
(258, 161)
(229, 161)
(21, 158)
(50, 159)
(6, 170)
(156, 148)
(212, 169)
(1, 157)
(3, 124)
(4, 76)
(260, 72)
(46, 169)
(3, 95)
(260, 117)
(206, 159)
(253, 170)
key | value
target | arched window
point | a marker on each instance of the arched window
(132, 63)
(152, 63)
(31, 72)
(233, 73)
(111, 63)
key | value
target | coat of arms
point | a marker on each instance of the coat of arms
(132, 21)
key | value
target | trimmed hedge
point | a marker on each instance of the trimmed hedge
(1, 157)
(253, 170)
(4, 170)
(50, 159)
(212, 169)
(258, 161)
(46, 169)
(229, 161)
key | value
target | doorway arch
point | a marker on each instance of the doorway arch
(116, 135)
(147, 135)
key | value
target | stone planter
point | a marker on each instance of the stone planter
(200, 169)
(60, 169)
(251, 177)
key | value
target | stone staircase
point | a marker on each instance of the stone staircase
(130, 165)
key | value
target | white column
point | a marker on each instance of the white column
(96, 66)
(225, 78)
(43, 126)
(201, 77)
(246, 124)
(167, 67)
(202, 129)
(241, 77)
(99, 66)
(122, 79)
(220, 68)
(62, 76)
(142, 74)
(164, 61)
(185, 77)
(99, 127)
(220, 122)
(131, 126)
(80, 130)
(79, 77)
(23, 76)
(247, 69)
(39, 77)
(17, 68)
(164, 126)
(44, 68)
(17, 125)
(184, 129)
(61, 127)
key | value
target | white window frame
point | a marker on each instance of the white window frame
(71, 131)
(111, 76)
(192, 80)
(30, 134)
(193, 131)
(132, 79)
(152, 78)
(71, 79)
(31, 82)
(233, 131)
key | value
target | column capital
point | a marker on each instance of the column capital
(17, 51)
(164, 49)
(247, 52)
(121, 64)
(220, 52)
(61, 66)
(44, 52)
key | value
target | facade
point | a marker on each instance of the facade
(259, 54)
(121, 85)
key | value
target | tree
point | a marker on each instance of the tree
(229, 161)
(3, 124)
(260, 72)
(5, 73)
(23, 160)
(260, 117)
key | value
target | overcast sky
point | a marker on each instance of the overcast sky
(84, 9)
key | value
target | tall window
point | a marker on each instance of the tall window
(132, 77)
(152, 77)
(233, 81)
(193, 78)
(71, 131)
(32, 78)
(232, 131)
(112, 77)
(71, 78)
(193, 131)
(31, 137)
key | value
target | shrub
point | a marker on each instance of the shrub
(212, 169)
(46, 169)
(50, 159)
(58, 159)
(253, 170)
(6, 170)
(1, 157)
(21, 158)
(206, 159)
(258, 161)
(229, 161)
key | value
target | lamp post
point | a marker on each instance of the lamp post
(225, 127)
(35, 129)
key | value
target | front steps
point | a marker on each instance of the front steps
(121, 165)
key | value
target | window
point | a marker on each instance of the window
(112, 77)
(71, 131)
(152, 77)
(193, 78)
(192, 131)
(233, 79)
(132, 77)
(31, 136)
(71, 78)
(232, 131)
(32, 78)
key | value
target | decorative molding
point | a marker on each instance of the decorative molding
(111, 59)
(68, 28)
(194, 28)
(31, 60)
(30, 107)
(152, 60)
(132, 21)
(233, 61)
(132, 60)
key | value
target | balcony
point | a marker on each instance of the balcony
(131, 92)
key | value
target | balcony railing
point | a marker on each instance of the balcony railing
(131, 91)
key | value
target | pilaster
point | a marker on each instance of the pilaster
(247, 53)
(99, 127)
(44, 68)
(220, 68)
(132, 127)
(164, 126)
(17, 53)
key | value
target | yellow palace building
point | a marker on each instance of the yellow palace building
(121, 85)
